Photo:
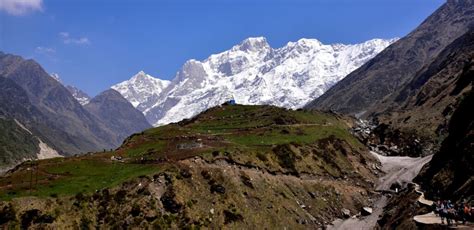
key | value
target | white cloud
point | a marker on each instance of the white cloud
(44, 50)
(67, 39)
(64, 34)
(21, 7)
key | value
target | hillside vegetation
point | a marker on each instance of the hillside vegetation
(233, 165)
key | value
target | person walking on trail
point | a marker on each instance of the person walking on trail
(465, 213)
(435, 208)
(450, 213)
(458, 211)
(443, 211)
(471, 215)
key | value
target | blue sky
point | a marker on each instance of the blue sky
(93, 44)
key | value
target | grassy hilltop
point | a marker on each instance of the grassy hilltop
(238, 166)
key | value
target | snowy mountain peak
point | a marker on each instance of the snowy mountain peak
(78, 94)
(192, 62)
(252, 72)
(253, 44)
(309, 42)
(142, 76)
(141, 88)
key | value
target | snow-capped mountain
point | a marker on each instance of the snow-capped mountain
(78, 94)
(141, 88)
(252, 72)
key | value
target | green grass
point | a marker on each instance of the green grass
(248, 127)
(145, 148)
(307, 135)
(243, 133)
(83, 175)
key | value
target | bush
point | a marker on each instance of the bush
(286, 157)
(231, 216)
(120, 196)
(7, 214)
(135, 210)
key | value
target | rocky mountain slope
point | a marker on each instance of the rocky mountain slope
(55, 102)
(433, 101)
(16, 106)
(117, 114)
(251, 72)
(16, 143)
(48, 110)
(425, 105)
(376, 84)
(411, 88)
(231, 166)
(80, 95)
(450, 174)
(417, 122)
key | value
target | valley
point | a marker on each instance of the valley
(372, 133)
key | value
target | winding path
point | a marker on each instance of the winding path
(399, 170)
(428, 218)
(431, 218)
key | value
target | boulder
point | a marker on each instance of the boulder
(366, 211)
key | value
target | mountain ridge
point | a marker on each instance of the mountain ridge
(117, 114)
(141, 88)
(252, 72)
(51, 114)
(82, 97)
(362, 92)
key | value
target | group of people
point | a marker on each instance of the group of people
(453, 213)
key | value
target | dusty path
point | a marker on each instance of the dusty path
(428, 218)
(422, 200)
(367, 222)
(400, 170)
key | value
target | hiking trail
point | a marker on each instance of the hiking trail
(431, 218)
(397, 169)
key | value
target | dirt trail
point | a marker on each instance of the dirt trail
(400, 170)
(422, 200)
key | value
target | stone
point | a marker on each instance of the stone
(346, 212)
(217, 188)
